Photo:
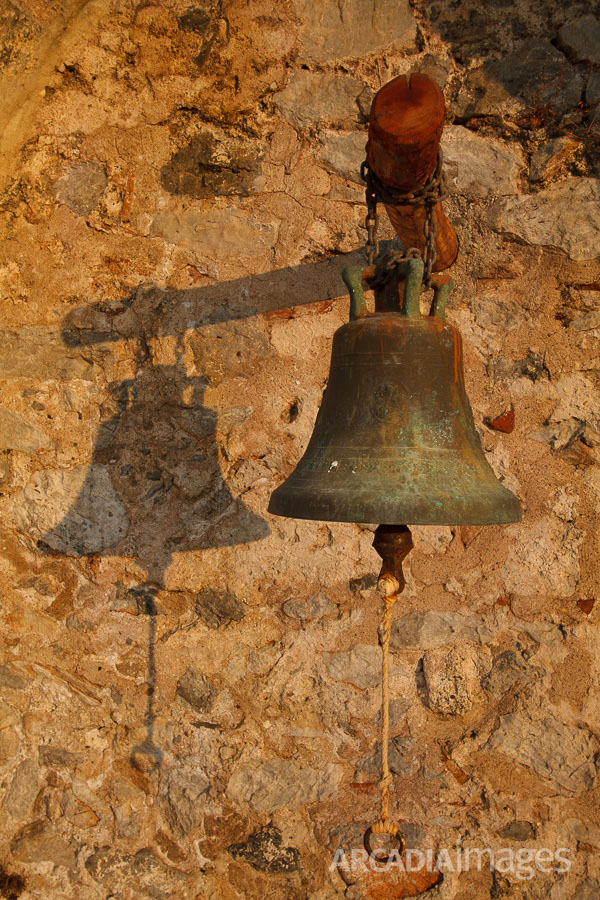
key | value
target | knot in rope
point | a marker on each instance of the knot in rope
(385, 826)
(388, 586)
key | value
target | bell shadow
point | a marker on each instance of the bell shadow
(168, 493)
(147, 756)
(164, 493)
(155, 482)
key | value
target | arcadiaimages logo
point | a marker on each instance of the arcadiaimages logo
(524, 863)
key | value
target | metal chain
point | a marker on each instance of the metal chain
(371, 220)
(428, 195)
(385, 264)
(430, 232)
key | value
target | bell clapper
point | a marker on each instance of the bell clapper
(393, 543)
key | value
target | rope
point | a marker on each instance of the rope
(389, 588)
(392, 543)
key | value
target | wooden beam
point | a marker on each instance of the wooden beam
(405, 127)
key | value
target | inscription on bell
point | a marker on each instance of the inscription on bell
(386, 401)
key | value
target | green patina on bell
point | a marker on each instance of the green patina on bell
(394, 440)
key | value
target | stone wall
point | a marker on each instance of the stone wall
(190, 687)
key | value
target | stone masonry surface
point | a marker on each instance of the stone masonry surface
(189, 687)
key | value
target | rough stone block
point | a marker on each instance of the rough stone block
(17, 433)
(81, 187)
(281, 783)
(581, 39)
(477, 166)
(264, 851)
(74, 511)
(343, 152)
(312, 97)
(453, 677)
(566, 215)
(560, 753)
(537, 77)
(333, 30)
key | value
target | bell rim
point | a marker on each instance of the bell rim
(506, 509)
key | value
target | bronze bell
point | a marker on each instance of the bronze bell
(394, 440)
